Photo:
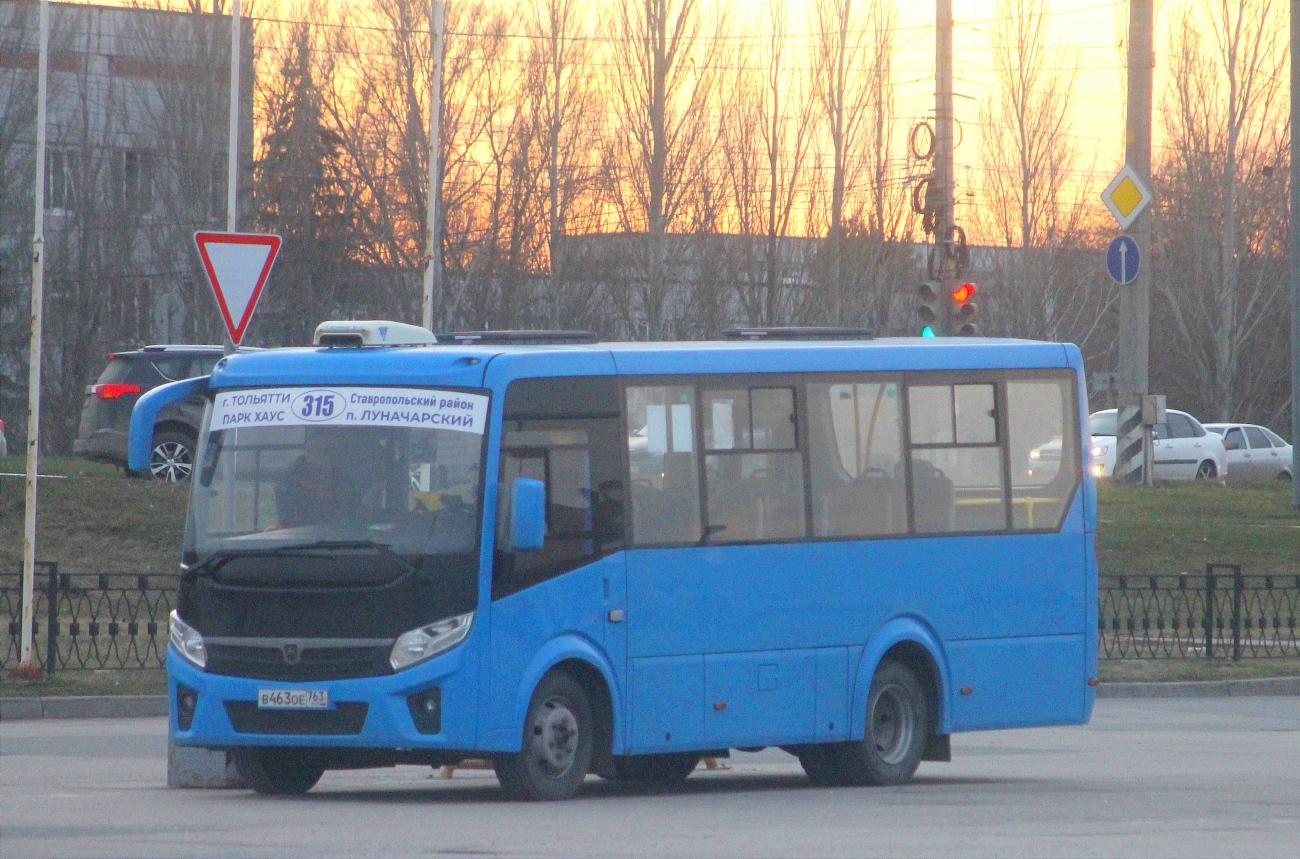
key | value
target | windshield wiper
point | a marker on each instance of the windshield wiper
(214, 562)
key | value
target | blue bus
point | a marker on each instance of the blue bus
(619, 558)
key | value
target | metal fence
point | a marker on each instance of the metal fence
(1223, 614)
(108, 620)
(120, 620)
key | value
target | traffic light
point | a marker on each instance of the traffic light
(964, 310)
(930, 308)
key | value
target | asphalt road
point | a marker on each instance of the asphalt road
(1166, 777)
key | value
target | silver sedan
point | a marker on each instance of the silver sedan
(1254, 452)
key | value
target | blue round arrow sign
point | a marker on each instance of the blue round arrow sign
(1123, 260)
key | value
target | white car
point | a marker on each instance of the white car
(1184, 450)
(1254, 452)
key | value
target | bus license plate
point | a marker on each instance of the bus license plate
(293, 699)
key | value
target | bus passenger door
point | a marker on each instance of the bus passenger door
(564, 432)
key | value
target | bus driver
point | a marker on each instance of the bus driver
(322, 485)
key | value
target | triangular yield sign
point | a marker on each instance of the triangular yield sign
(237, 265)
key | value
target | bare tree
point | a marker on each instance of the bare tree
(17, 166)
(841, 52)
(664, 54)
(765, 141)
(1221, 228)
(562, 98)
(1043, 287)
(861, 264)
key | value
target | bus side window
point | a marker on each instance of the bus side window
(957, 477)
(753, 468)
(1045, 461)
(856, 457)
(664, 465)
(563, 432)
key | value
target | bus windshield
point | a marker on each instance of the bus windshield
(373, 480)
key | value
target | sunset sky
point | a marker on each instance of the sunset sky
(1091, 29)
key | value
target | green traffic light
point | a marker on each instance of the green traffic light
(927, 331)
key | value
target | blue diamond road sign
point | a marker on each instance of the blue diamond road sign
(1122, 260)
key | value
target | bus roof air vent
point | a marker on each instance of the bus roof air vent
(515, 338)
(371, 332)
(799, 332)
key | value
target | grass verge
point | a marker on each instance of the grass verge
(92, 519)
(1168, 670)
(1180, 527)
(142, 681)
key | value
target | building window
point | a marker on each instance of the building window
(61, 179)
(132, 177)
(216, 195)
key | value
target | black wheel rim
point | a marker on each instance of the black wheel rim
(1206, 471)
(555, 737)
(892, 724)
(171, 461)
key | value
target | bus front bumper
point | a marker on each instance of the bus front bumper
(429, 706)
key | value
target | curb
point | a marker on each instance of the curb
(1203, 688)
(82, 707)
(136, 706)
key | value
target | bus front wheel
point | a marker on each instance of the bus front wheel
(277, 771)
(898, 723)
(557, 743)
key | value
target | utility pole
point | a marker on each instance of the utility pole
(27, 669)
(943, 268)
(232, 139)
(1135, 299)
(433, 215)
(1295, 258)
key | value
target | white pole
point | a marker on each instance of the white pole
(26, 666)
(232, 141)
(432, 233)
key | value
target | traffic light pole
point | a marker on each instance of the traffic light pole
(1135, 299)
(942, 184)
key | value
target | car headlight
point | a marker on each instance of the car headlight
(187, 640)
(1099, 450)
(428, 641)
(1035, 454)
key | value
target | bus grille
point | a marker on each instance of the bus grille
(320, 663)
(345, 718)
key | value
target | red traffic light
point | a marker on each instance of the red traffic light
(963, 293)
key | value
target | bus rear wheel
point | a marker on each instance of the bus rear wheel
(898, 723)
(656, 769)
(821, 763)
(279, 772)
(557, 744)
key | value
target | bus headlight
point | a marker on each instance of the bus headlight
(428, 641)
(187, 640)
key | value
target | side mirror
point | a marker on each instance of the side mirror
(527, 514)
(139, 439)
